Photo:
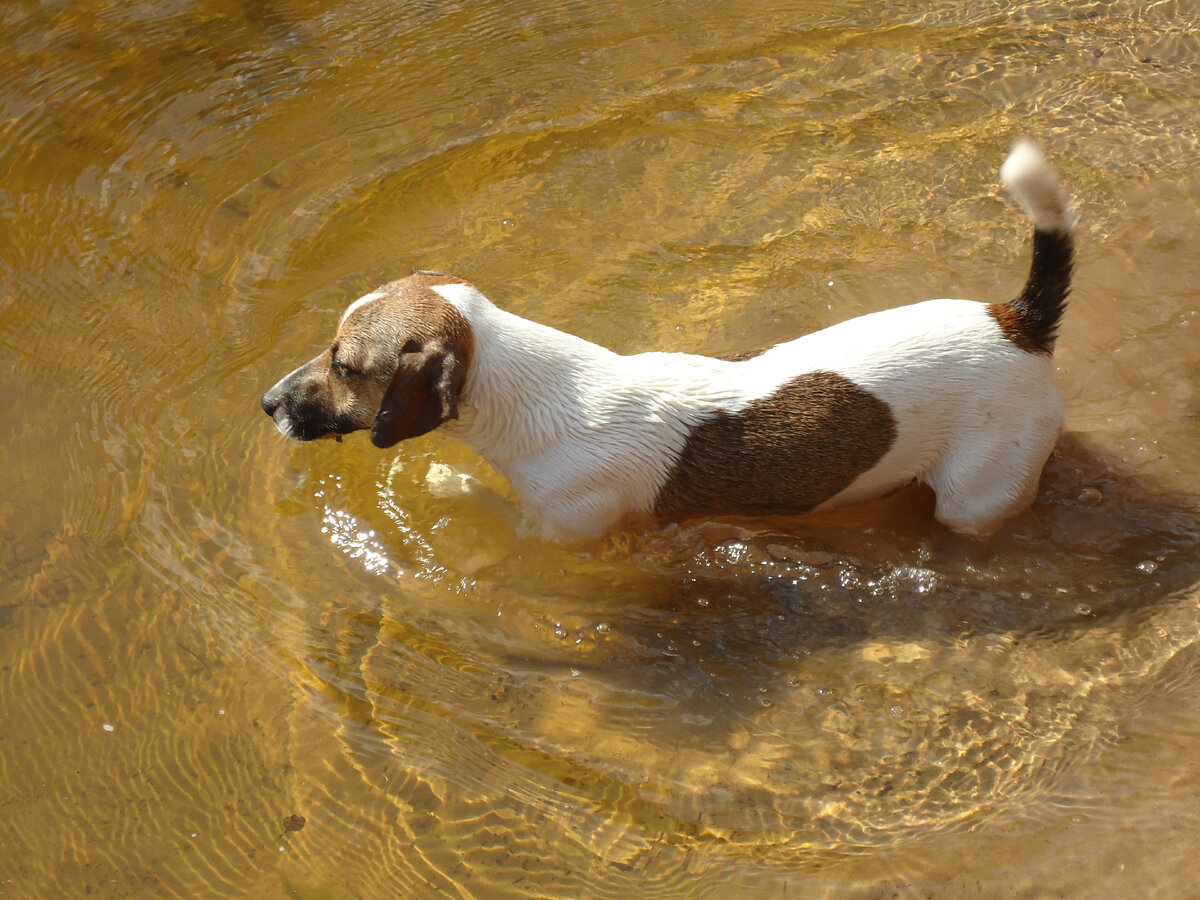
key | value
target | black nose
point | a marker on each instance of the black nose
(270, 402)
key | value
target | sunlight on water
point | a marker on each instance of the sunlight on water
(234, 666)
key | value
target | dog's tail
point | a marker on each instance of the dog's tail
(1031, 320)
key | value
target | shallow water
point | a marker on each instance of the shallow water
(206, 632)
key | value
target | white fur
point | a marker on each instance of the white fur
(587, 436)
(359, 304)
(1034, 184)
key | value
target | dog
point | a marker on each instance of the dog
(957, 394)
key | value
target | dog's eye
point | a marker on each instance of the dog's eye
(341, 369)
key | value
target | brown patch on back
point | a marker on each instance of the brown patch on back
(785, 453)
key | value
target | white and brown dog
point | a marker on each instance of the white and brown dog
(954, 393)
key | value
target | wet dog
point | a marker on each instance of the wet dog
(954, 393)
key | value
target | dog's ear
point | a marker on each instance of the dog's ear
(422, 395)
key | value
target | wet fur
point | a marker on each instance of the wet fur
(954, 393)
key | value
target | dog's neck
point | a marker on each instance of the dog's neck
(528, 383)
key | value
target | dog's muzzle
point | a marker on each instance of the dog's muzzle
(273, 406)
(290, 414)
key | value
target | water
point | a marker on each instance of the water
(233, 666)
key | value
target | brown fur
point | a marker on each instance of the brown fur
(410, 337)
(788, 452)
(1012, 323)
(1031, 320)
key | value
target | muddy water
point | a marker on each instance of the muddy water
(207, 633)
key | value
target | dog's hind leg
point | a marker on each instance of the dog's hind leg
(980, 484)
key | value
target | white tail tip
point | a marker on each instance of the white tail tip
(1035, 186)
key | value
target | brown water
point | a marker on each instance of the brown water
(206, 630)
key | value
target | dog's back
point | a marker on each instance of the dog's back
(954, 393)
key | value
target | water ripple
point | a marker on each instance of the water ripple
(238, 666)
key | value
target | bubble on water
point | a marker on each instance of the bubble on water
(109, 727)
(1089, 496)
(603, 628)
(1083, 609)
(1147, 566)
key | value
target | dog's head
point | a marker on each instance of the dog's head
(396, 366)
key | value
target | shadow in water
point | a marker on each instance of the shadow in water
(773, 687)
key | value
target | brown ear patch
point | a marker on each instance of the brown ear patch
(435, 348)
(784, 453)
(423, 394)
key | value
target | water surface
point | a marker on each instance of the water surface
(207, 632)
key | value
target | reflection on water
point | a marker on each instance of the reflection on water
(207, 634)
